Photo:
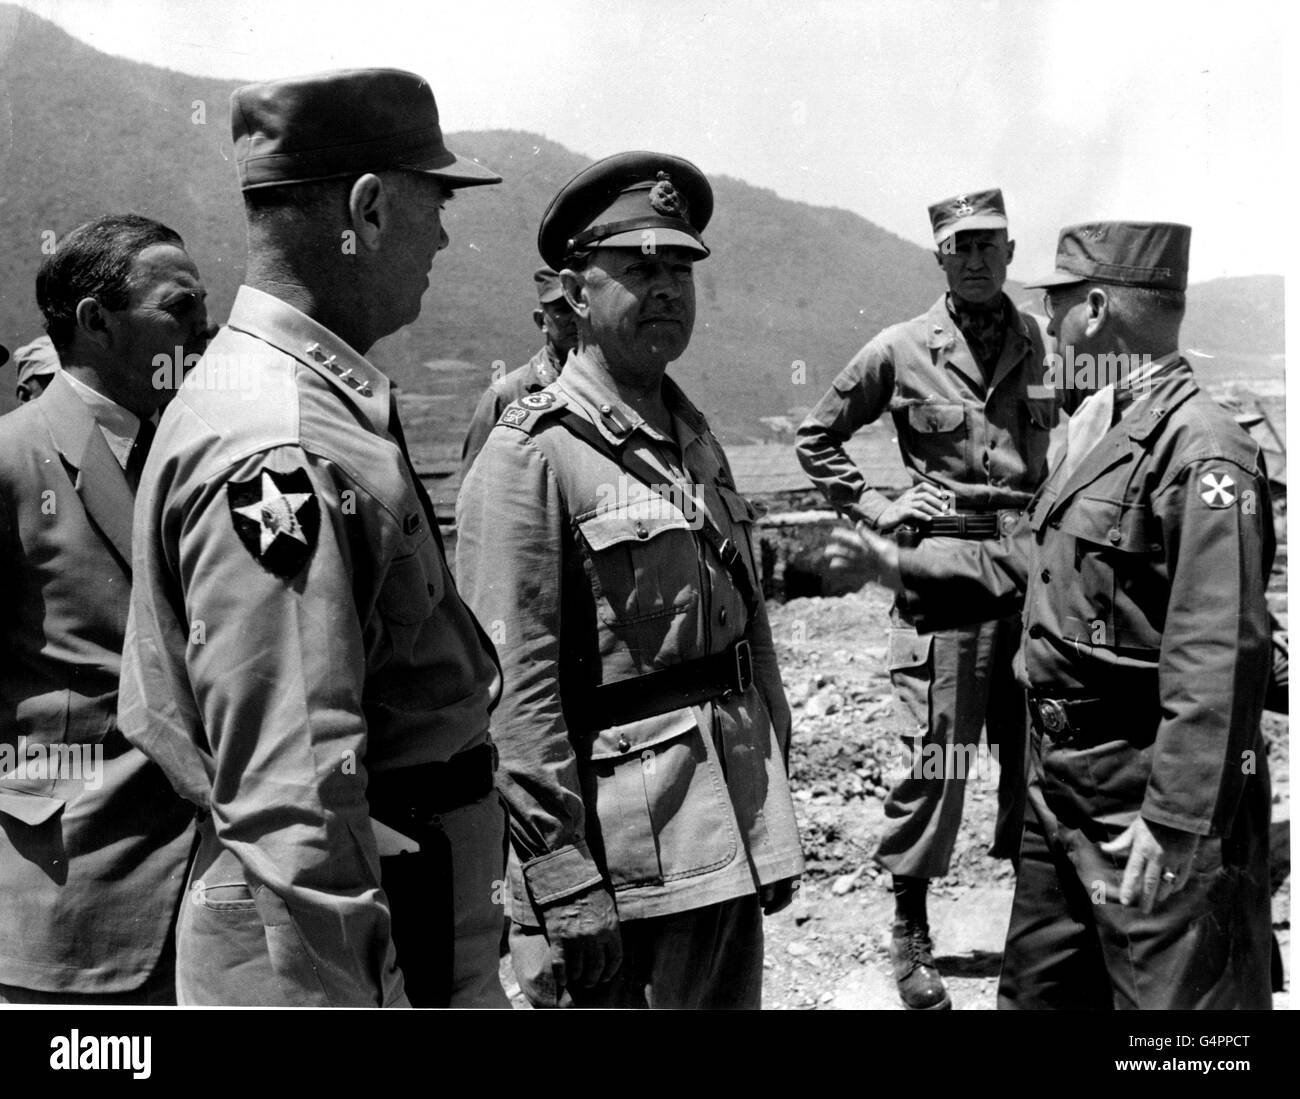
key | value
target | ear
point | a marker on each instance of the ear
(538, 317)
(370, 210)
(575, 292)
(938, 257)
(1097, 311)
(1011, 251)
(93, 322)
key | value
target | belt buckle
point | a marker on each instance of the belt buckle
(744, 666)
(1052, 716)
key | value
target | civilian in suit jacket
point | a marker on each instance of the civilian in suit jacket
(93, 841)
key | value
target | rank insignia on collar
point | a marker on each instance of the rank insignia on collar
(277, 517)
(537, 400)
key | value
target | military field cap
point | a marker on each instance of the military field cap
(36, 359)
(973, 210)
(335, 124)
(615, 202)
(1128, 253)
(548, 285)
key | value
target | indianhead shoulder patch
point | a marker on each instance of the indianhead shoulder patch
(277, 517)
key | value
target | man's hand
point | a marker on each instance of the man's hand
(586, 947)
(1159, 861)
(778, 895)
(854, 558)
(916, 505)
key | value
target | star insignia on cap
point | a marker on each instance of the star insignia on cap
(962, 207)
(277, 517)
(665, 199)
(1218, 490)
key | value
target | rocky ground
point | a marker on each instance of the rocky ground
(830, 948)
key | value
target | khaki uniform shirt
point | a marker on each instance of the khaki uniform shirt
(535, 375)
(582, 576)
(985, 441)
(268, 699)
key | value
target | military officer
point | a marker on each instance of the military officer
(1142, 563)
(643, 728)
(963, 384)
(36, 363)
(300, 662)
(554, 317)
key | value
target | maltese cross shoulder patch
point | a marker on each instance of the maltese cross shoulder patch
(277, 518)
(1218, 489)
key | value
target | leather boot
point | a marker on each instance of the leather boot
(919, 985)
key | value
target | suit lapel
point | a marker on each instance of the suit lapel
(99, 481)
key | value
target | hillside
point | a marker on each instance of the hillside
(82, 133)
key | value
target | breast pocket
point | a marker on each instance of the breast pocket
(744, 515)
(1118, 554)
(935, 434)
(641, 561)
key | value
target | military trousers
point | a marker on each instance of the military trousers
(1072, 946)
(951, 684)
(707, 958)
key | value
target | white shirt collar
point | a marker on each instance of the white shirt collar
(119, 426)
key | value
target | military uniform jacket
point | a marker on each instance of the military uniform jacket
(294, 628)
(1143, 577)
(986, 442)
(583, 576)
(536, 374)
(92, 858)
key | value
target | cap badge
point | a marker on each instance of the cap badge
(665, 199)
(961, 207)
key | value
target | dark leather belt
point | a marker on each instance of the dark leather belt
(972, 524)
(410, 797)
(688, 684)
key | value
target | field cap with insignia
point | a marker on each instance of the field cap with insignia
(620, 201)
(334, 124)
(973, 210)
(548, 285)
(36, 359)
(1152, 254)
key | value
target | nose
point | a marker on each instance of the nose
(443, 238)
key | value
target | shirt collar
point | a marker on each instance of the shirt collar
(616, 419)
(120, 427)
(357, 381)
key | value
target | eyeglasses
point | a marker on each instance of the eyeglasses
(1049, 310)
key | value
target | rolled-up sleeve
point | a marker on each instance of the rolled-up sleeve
(509, 559)
(858, 396)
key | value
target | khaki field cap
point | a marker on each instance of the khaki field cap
(624, 201)
(1128, 253)
(336, 124)
(973, 210)
(548, 285)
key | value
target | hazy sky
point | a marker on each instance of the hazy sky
(1078, 109)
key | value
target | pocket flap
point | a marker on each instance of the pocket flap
(936, 417)
(638, 521)
(635, 736)
(1111, 524)
(31, 809)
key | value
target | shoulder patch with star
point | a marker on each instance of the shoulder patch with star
(528, 410)
(277, 517)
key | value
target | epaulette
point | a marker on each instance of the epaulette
(530, 409)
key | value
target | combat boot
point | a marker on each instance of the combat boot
(919, 985)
